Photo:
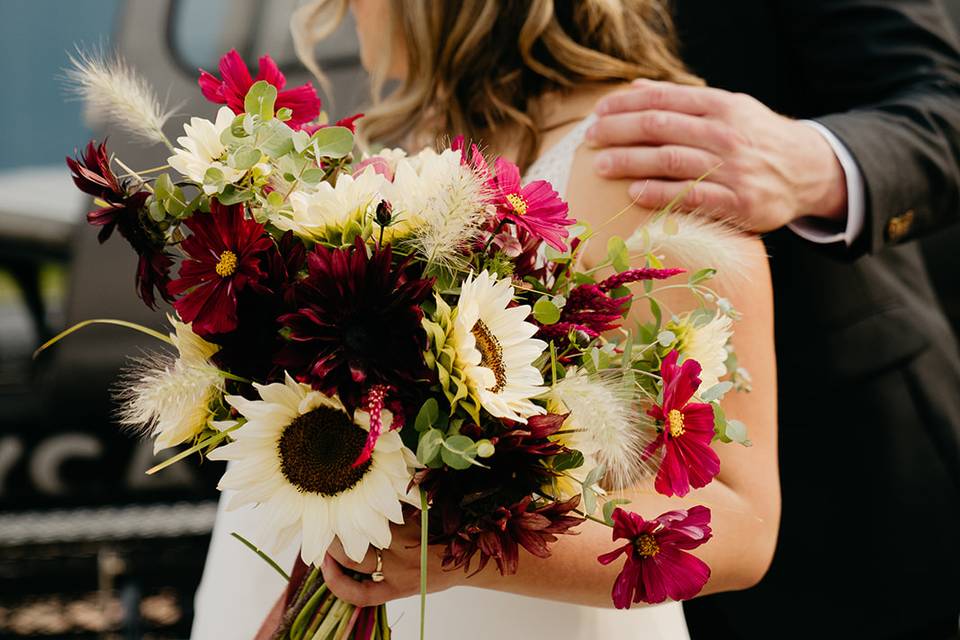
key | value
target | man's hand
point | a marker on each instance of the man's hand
(762, 170)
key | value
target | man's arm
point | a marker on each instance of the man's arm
(886, 73)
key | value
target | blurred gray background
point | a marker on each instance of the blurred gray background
(89, 546)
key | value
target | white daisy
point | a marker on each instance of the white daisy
(708, 346)
(170, 398)
(328, 210)
(294, 458)
(606, 425)
(495, 348)
(203, 150)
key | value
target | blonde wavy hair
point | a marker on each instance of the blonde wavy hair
(478, 67)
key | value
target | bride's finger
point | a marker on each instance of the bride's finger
(367, 565)
(364, 593)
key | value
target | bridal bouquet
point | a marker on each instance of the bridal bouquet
(381, 337)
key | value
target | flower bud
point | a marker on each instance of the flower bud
(384, 213)
(582, 339)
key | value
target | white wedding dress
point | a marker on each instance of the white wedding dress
(238, 588)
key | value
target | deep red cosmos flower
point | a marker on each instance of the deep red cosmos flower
(658, 565)
(236, 82)
(123, 209)
(535, 207)
(358, 323)
(686, 433)
(224, 252)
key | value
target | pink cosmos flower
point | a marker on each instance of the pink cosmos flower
(658, 565)
(687, 431)
(236, 82)
(535, 207)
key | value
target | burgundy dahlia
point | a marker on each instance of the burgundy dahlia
(123, 209)
(686, 431)
(488, 511)
(358, 323)
(250, 349)
(224, 253)
(658, 565)
(235, 82)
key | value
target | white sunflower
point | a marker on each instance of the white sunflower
(495, 348)
(326, 211)
(294, 458)
(202, 150)
(170, 398)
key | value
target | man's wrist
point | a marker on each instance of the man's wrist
(823, 194)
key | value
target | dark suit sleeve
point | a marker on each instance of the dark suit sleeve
(884, 76)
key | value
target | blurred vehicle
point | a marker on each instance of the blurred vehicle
(89, 545)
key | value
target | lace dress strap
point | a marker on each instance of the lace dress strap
(555, 163)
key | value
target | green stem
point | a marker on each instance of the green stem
(263, 556)
(86, 323)
(194, 449)
(424, 526)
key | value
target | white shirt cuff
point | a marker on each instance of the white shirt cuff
(811, 228)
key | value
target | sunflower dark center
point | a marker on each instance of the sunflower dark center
(317, 451)
(363, 336)
(491, 355)
(647, 545)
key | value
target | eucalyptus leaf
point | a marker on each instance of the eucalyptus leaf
(737, 431)
(245, 157)
(260, 100)
(458, 452)
(717, 391)
(545, 311)
(666, 338)
(284, 114)
(429, 446)
(428, 414)
(312, 175)
(333, 142)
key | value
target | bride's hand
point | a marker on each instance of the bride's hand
(400, 568)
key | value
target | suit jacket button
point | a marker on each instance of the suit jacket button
(899, 226)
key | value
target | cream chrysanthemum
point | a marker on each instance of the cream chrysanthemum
(324, 213)
(202, 150)
(495, 349)
(707, 345)
(294, 458)
(605, 425)
(169, 398)
(439, 205)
